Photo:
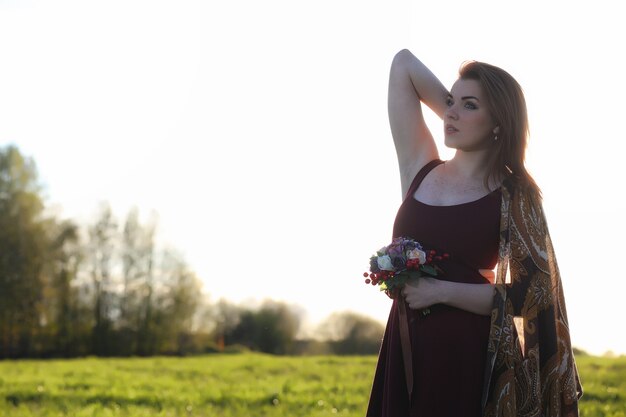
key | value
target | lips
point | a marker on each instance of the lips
(450, 129)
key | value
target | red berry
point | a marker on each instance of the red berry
(365, 274)
(432, 252)
(367, 281)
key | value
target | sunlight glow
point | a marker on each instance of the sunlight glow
(270, 127)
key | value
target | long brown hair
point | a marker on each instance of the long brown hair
(506, 103)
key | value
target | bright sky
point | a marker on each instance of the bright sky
(258, 131)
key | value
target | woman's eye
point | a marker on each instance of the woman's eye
(449, 102)
(470, 105)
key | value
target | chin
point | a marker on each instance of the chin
(449, 143)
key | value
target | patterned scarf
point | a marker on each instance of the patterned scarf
(531, 369)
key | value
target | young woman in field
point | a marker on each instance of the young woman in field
(466, 358)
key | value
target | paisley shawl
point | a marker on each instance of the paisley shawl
(530, 369)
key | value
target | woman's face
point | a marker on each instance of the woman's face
(468, 125)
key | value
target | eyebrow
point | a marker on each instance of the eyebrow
(465, 97)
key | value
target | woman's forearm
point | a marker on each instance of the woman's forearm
(428, 87)
(475, 298)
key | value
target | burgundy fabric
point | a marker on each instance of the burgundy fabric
(449, 346)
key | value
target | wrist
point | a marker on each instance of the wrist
(442, 291)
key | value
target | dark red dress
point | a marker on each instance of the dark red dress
(449, 345)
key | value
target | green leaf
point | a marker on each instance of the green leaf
(414, 274)
(429, 270)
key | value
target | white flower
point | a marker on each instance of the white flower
(384, 263)
(417, 254)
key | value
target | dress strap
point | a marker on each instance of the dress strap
(421, 175)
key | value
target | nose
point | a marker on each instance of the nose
(450, 113)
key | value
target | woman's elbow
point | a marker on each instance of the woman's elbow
(401, 57)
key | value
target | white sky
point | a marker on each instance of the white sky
(258, 131)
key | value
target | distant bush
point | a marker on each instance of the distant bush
(350, 333)
(236, 348)
(270, 329)
(211, 347)
(311, 347)
(579, 352)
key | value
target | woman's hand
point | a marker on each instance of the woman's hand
(422, 293)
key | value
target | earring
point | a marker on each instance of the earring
(496, 130)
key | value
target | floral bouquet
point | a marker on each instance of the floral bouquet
(400, 261)
(392, 266)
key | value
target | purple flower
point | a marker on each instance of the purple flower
(399, 263)
(374, 264)
(395, 250)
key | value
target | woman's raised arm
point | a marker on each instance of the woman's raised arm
(410, 83)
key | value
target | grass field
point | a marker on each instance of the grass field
(241, 385)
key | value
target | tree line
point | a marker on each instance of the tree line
(106, 288)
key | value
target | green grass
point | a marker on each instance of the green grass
(244, 385)
(604, 386)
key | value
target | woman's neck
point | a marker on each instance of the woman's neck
(470, 166)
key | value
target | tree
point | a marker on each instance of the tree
(180, 297)
(271, 329)
(102, 242)
(352, 333)
(64, 258)
(136, 303)
(23, 241)
(226, 317)
(61, 294)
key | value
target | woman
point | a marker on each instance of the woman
(491, 345)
